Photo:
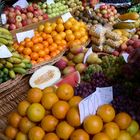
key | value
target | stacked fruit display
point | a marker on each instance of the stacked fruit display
(18, 17)
(54, 9)
(53, 114)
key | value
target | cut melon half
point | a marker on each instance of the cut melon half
(73, 79)
(45, 76)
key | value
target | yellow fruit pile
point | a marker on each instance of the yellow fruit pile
(52, 114)
(72, 31)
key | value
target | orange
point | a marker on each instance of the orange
(14, 119)
(74, 101)
(53, 54)
(48, 29)
(34, 95)
(46, 50)
(70, 37)
(22, 107)
(11, 132)
(60, 109)
(27, 57)
(137, 136)
(59, 28)
(68, 32)
(67, 25)
(36, 48)
(49, 99)
(53, 25)
(22, 43)
(27, 51)
(59, 21)
(21, 136)
(41, 28)
(123, 120)
(60, 48)
(33, 62)
(47, 23)
(82, 24)
(34, 56)
(57, 37)
(73, 117)
(36, 133)
(77, 35)
(62, 34)
(124, 135)
(50, 40)
(40, 60)
(57, 51)
(112, 130)
(93, 124)
(44, 36)
(65, 92)
(83, 40)
(35, 39)
(106, 112)
(101, 136)
(64, 130)
(51, 136)
(76, 27)
(40, 39)
(27, 39)
(45, 43)
(36, 112)
(40, 46)
(79, 134)
(25, 124)
(53, 33)
(72, 20)
(42, 53)
(29, 44)
(20, 49)
(63, 42)
(52, 48)
(49, 123)
(49, 89)
(47, 57)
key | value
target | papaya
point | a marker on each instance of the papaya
(124, 25)
(129, 16)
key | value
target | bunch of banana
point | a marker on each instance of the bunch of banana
(5, 37)
(16, 64)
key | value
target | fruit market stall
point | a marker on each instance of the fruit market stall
(69, 70)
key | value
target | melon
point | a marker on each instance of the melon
(45, 76)
(73, 79)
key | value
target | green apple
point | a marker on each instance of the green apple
(133, 128)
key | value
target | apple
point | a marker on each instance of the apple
(99, 14)
(112, 8)
(30, 8)
(18, 24)
(115, 11)
(35, 6)
(30, 15)
(35, 20)
(18, 18)
(17, 12)
(17, 7)
(11, 20)
(12, 27)
(29, 21)
(35, 13)
(12, 15)
(6, 26)
(24, 22)
(6, 12)
(24, 10)
(40, 18)
(116, 53)
(44, 5)
(45, 16)
(105, 16)
(111, 19)
(133, 128)
(23, 16)
(104, 11)
(103, 7)
(109, 10)
(40, 12)
(11, 9)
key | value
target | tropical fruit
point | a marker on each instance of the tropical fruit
(73, 79)
(101, 136)
(45, 77)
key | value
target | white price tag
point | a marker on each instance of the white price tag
(21, 3)
(22, 35)
(125, 56)
(87, 54)
(90, 104)
(3, 18)
(66, 16)
(4, 52)
(50, 2)
(97, 6)
(129, 21)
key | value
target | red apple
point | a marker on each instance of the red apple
(105, 15)
(18, 24)
(17, 7)
(99, 14)
(35, 6)
(29, 21)
(30, 8)
(40, 18)
(11, 9)
(6, 12)
(18, 18)
(112, 8)
(108, 10)
(23, 16)
(116, 53)
(24, 22)
(45, 16)
(103, 7)
(115, 11)
(24, 10)
(40, 12)
(12, 27)
(11, 20)
(17, 12)
(36, 14)
(35, 20)
(30, 15)
(11, 15)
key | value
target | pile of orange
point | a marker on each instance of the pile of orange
(52, 114)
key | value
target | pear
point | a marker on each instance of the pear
(93, 59)
(80, 67)
(78, 58)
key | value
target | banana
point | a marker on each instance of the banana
(19, 70)
(8, 37)
(3, 41)
(5, 31)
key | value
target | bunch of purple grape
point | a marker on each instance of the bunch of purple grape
(86, 88)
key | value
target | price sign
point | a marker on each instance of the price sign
(4, 52)
(66, 16)
(50, 2)
(21, 3)
(87, 54)
(3, 18)
(125, 56)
